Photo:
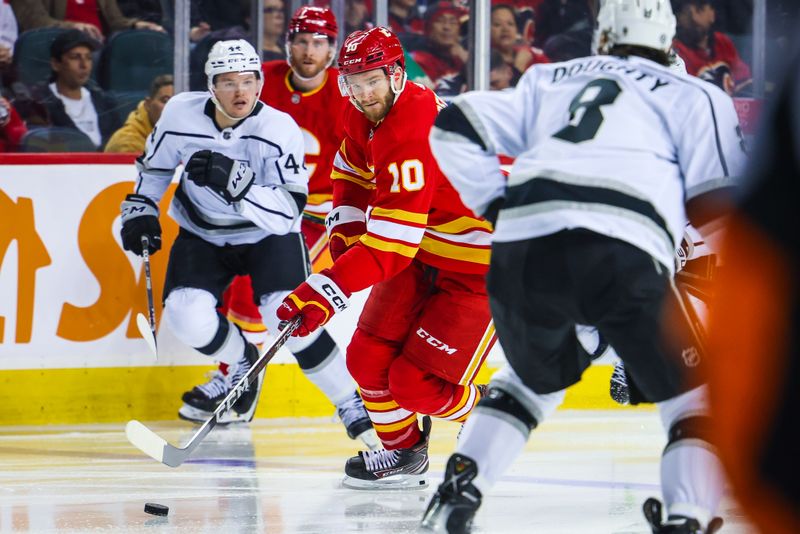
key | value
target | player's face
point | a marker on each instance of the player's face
(74, 67)
(372, 91)
(309, 54)
(236, 92)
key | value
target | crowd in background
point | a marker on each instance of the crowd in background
(79, 91)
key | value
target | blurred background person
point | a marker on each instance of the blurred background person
(97, 18)
(70, 99)
(12, 129)
(132, 135)
(8, 36)
(570, 20)
(505, 38)
(406, 22)
(274, 30)
(500, 73)
(708, 54)
(442, 55)
(148, 10)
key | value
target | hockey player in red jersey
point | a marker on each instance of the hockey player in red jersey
(426, 328)
(305, 86)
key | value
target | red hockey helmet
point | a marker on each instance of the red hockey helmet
(313, 19)
(365, 50)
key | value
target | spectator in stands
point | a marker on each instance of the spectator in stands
(274, 30)
(708, 54)
(12, 129)
(133, 134)
(406, 23)
(506, 39)
(442, 56)
(356, 16)
(69, 100)
(559, 17)
(8, 36)
(500, 72)
(96, 18)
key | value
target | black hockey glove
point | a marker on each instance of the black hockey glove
(230, 178)
(140, 218)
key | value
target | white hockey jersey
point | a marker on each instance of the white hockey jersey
(604, 143)
(268, 140)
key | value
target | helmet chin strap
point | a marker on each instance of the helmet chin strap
(220, 108)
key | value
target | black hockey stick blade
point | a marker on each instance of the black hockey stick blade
(159, 449)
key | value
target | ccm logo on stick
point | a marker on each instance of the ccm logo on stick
(432, 341)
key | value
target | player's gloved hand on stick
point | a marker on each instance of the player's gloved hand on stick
(229, 178)
(345, 225)
(140, 218)
(316, 299)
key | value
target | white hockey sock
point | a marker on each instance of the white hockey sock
(493, 439)
(324, 365)
(691, 473)
(691, 482)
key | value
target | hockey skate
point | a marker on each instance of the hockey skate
(618, 386)
(356, 421)
(454, 504)
(395, 469)
(202, 400)
(675, 524)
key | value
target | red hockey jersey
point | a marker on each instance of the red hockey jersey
(319, 114)
(720, 65)
(415, 212)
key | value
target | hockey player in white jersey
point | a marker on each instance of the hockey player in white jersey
(612, 153)
(238, 205)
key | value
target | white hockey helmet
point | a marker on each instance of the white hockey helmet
(236, 55)
(648, 23)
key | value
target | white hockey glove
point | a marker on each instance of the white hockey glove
(229, 178)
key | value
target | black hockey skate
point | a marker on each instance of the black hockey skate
(454, 504)
(675, 524)
(618, 386)
(395, 469)
(202, 400)
(356, 421)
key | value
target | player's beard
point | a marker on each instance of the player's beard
(309, 70)
(377, 113)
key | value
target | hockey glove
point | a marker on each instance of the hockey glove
(140, 218)
(229, 178)
(345, 225)
(316, 299)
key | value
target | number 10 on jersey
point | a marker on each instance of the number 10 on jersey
(409, 174)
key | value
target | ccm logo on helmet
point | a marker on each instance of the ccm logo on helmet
(433, 342)
(352, 61)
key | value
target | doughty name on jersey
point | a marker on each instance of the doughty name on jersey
(605, 65)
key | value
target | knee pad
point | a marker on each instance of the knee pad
(192, 315)
(369, 360)
(539, 406)
(499, 400)
(686, 419)
(404, 378)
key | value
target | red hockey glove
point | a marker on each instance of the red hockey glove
(345, 225)
(316, 299)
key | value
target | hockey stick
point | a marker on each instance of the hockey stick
(148, 329)
(157, 447)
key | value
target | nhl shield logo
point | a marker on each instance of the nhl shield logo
(691, 356)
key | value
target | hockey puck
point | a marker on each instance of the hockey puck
(156, 509)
